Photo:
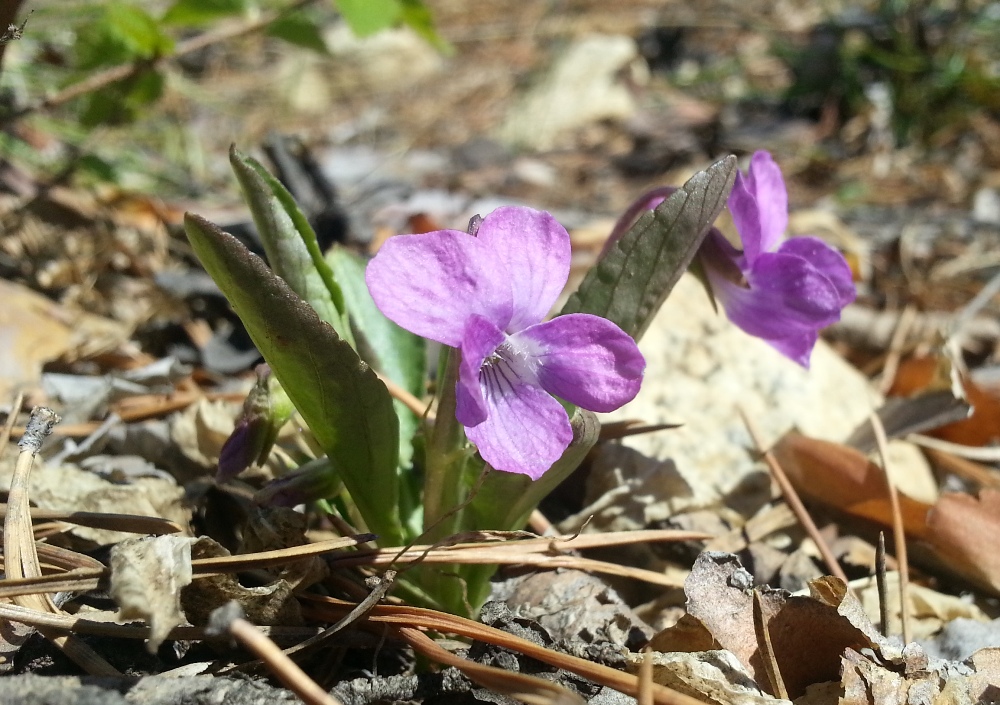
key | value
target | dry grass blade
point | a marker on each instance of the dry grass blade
(20, 555)
(525, 688)
(418, 617)
(281, 556)
(792, 497)
(380, 586)
(898, 533)
(129, 523)
(985, 455)
(69, 623)
(767, 650)
(540, 552)
(8, 427)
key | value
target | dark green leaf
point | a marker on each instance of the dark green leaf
(346, 406)
(300, 29)
(120, 34)
(396, 353)
(365, 17)
(632, 280)
(194, 13)
(290, 242)
(122, 102)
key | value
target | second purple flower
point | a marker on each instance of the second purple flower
(780, 290)
(487, 295)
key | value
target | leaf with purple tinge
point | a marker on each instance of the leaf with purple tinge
(346, 406)
(633, 279)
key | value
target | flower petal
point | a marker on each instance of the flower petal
(585, 359)
(431, 283)
(786, 297)
(526, 430)
(797, 348)
(759, 205)
(827, 260)
(535, 250)
(480, 340)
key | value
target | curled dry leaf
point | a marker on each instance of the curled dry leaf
(807, 635)
(147, 575)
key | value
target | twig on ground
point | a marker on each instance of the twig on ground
(766, 649)
(882, 585)
(792, 497)
(229, 619)
(898, 532)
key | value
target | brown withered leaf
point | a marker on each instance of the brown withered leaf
(956, 534)
(963, 530)
(844, 479)
(918, 374)
(807, 635)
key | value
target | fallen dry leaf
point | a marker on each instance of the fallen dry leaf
(807, 635)
(963, 531)
(147, 575)
(845, 479)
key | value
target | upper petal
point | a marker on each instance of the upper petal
(525, 431)
(827, 260)
(535, 251)
(431, 283)
(759, 205)
(480, 339)
(587, 360)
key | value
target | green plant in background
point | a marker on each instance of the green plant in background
(940, 62)
(105, 63)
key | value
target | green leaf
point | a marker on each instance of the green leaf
(122, 102)
(290, 242)
(366, 17)
(194, 13)
(396, 353)
(346, 406)
(416, 16)
(300, 29)
(120, 34)
(632, 280)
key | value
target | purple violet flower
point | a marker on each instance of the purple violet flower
(782, 291)
(486, 294)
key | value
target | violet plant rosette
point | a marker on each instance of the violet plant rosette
(486, 293)
(782, 291)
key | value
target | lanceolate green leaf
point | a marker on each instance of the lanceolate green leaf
(632, 280)
(396, 353)
(346, 406)
(290, 242)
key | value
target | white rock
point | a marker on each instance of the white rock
(700, 370)
(986, 206)
(581, 87)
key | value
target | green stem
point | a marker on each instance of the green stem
(446, 456)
